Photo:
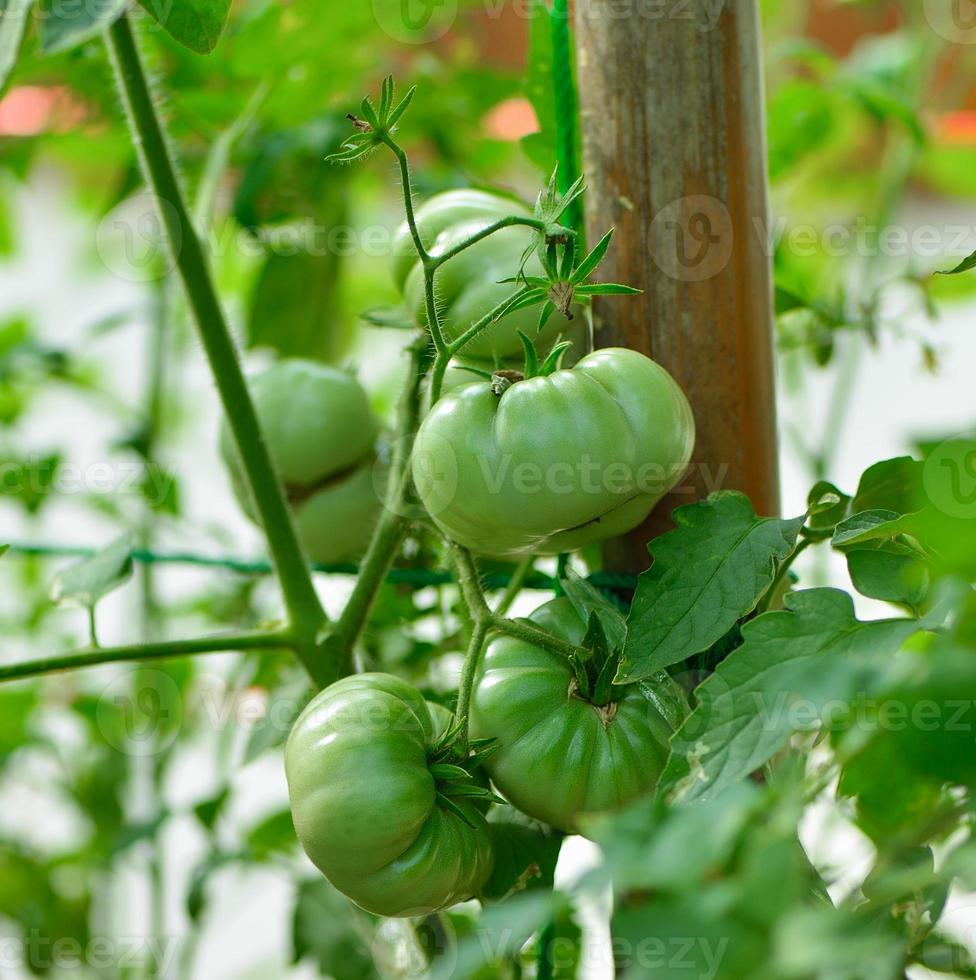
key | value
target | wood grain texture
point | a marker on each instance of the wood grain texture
(673, 129)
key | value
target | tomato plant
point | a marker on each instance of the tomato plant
(513, 593)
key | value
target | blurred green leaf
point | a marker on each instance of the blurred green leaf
(89, 580)
(196, 24)
(65, 24)
(13, 20)
(331, 932)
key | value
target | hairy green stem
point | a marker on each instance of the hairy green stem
(511, 221)
(529, 633)
(304, 609)
(160, 650)
(390, 530)
(474, 597)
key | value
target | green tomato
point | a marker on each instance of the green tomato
(322, 435)
(468, 285)
(559, 757)
(366, 806)
(554, 463)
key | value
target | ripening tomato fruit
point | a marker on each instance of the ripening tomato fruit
(560, 757)
(322, 435)
(551, 464)
(468, 285)
(368, 809)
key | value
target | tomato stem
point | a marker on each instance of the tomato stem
(390, 529)
(304, 609)
(160, 650)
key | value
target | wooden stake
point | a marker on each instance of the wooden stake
(673, 129)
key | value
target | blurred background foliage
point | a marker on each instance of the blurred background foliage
(872, 116)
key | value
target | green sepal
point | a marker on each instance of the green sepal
(531, 368)
(447, 804)
(552, 363)
(448, 772)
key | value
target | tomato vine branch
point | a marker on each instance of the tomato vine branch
(160, 650)
(304, 609)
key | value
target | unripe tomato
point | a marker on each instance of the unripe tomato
(322, 435)
(468, 285)
(365, 802)
(558, 756)
(554, 463)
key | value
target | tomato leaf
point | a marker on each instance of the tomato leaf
(330, 931)
(196, 24)
(894, 484)
(964, 266)
(588, 600)
(87, 581)
(13, 20)
(792, 664)
(66, 24)
(708, 573)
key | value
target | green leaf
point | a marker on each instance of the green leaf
(964, 266)
(708, 573)
(525, 854)
(826, 506)
(196, 24)
(273, 835)
(87, 581)
(196, 895)
(891, 572)
(293, 306)
(13, 20)
(791, 665)
(588, 601)
(894, 484)
(328, 930)
(869, 525)
(285, 704)
(67, 23)
(502, 931)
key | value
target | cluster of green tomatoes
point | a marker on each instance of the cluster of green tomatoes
(531, 459)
